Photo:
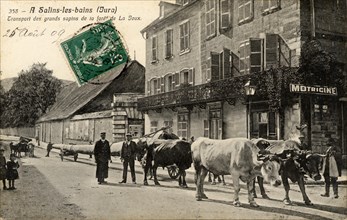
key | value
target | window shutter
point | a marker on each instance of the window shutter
(162, 84)
(226, 64)
(235, 65)
(181, 38)
(214, 66)
(191, 76)
(177, 79)
(148, 87)
(272, 56)
(225, 7)
(256, 57)
(158, 85)
(272, 125)
(208, 69)
(285, 54)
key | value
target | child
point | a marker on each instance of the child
(331, 167)
(12, 172)
(3, 168)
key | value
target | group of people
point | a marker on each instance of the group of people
(102, 155)
(8, 170)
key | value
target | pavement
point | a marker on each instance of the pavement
(84, 158)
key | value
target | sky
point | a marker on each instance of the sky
(19, 49)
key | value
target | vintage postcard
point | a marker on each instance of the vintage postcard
(173, 109)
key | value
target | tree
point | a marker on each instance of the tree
(30, 96)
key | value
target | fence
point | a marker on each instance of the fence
(21, 131)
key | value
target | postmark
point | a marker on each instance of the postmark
(96, 49)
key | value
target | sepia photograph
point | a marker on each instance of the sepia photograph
(173, 109)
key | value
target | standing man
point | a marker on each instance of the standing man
(127, 156)
(102, 154)
(49, 148)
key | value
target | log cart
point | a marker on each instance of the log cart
(74, 150)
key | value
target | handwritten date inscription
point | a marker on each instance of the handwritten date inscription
(26, 32)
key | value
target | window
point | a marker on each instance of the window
(270, 5)
(168, 124)
(219, 65)
(215, 124)
(225, 14)
(168, 44)
(245, 11)
(263, 125)
(182, 123)
(251, 56)
(154, 126)
(277, 52)
(210, 18)
(154, 49)
(169, 83)
(206, 128)
(244, 58)
(155, 86)
(184, 37)
(187, 77)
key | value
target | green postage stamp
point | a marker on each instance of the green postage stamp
(94, 51)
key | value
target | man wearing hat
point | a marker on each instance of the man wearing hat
(127, 156)
(102, 154)
(332, 163)
(3, 168)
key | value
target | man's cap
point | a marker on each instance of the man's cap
(128, 134)
(102, 132)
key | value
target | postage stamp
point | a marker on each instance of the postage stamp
(94, 51)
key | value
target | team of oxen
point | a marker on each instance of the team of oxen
(241, 158)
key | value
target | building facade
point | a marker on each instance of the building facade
(200, 54)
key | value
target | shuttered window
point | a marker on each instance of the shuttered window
(210, 18)
(256, 56)
(225, 14)
(214, 66)
(219, 65)
(245, 10)
(184, 36)
(269, 5)
(154, 48)
(235, 64)
(169, 83)
(177, 79)
(168, 44)
(272, 56)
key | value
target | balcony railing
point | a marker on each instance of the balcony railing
(226, 89)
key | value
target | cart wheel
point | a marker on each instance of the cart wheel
(173, 172)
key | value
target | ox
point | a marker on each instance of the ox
(167, 153)
(295, 164)
(235, 156)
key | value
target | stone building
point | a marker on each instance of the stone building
(106, 104)
(201, 54)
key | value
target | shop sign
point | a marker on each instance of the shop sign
(321, 90)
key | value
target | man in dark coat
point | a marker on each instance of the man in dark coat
(127, 156)
(102, 154)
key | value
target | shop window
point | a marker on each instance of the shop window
(154, 49)
(154, 126)
(184, 37)
(245, 11)
(182, 125)
(168, 44)
(263, 125)
(210, 18)
(270, 6)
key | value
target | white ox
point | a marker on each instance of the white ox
(235, 156)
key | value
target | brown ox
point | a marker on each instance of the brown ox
(235, 156)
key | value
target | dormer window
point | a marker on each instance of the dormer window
(161, 11)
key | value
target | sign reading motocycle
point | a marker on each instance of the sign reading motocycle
(321, 90)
